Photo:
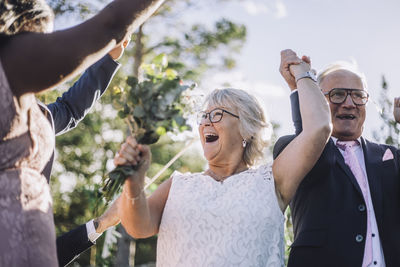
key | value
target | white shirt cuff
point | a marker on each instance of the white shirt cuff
(91, 232)
(295, 90)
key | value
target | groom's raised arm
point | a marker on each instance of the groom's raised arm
(73, 105)
(283, 141)
(296, 115)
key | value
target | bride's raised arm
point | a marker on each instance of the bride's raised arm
(301, 154)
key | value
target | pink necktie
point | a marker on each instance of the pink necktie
(351, 160)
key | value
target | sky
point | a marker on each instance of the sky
(363, 31)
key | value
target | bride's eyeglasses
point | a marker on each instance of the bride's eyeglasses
(214, 115)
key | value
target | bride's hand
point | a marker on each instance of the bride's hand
(132, 153)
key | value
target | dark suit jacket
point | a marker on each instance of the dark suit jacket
(328, 209)
(64, 115)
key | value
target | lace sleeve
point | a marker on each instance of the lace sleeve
(266, 172)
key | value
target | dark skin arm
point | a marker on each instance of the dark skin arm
(34, 62)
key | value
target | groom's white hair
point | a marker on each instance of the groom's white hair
(253, 125)
(343, 65)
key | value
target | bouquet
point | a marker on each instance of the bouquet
(151, 108)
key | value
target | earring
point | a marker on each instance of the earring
(244, 143)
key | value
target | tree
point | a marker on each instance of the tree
(389, 131)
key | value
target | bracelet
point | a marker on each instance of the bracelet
(309, 75)
(305, 77)
(133, 199)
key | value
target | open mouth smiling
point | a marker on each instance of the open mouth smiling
(346, 117)
(211, 137)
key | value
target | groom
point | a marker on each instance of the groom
(346, 212)
(64, 115)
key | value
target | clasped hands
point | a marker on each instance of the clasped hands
(132, 153)
(292, 66)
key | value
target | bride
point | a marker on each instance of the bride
(232, 213)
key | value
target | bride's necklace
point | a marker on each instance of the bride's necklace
(220, 178)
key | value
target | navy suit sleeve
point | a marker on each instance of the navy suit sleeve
(74, 104)
(296, 115)
(281, 144)
(71, 244)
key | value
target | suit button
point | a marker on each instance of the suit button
(359, 238)
(361, 207)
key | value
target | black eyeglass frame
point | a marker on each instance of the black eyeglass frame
(207, 114)
(348, 92)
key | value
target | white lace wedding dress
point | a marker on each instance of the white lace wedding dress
(234, 223)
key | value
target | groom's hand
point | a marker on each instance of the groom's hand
(108, 219)
(118, 50)
(289, 58)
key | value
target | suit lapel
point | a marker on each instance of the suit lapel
(373, 154)
(340, 161)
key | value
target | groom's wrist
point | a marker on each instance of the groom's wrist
(92, 228)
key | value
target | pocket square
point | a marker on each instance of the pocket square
(388, 155)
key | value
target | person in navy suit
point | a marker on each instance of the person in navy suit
(65, 114)
(346, 211)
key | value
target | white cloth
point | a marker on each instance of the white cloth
(234, 223)
(91, 232)
(377, 251)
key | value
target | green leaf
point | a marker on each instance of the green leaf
(139, 112)
(161, 131)
(180, 120)
(121, 114)
(132, 81)
(171, 74)
(149, 69)
(127, 109)
(185, 128)
(161, 60)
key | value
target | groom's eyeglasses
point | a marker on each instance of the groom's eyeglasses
(214, 115)
(339, 95)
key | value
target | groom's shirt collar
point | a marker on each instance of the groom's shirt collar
(334, 139)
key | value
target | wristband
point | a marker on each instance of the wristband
(133, 199)
(309, 75)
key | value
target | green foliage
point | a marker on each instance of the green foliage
(83, 8)
(389, 131)
(152, 107)
(198, 48)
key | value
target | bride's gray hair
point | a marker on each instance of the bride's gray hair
(253, 125)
